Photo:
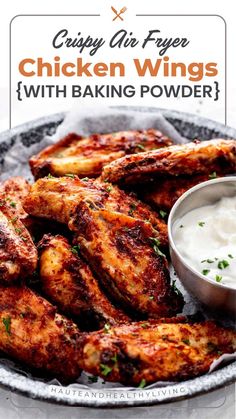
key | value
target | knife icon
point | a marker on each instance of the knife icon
(118, 14)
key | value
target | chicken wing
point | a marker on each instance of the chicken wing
(57, 198)
(164, 192)
(166, 350)
(69, 283)
(14, 190)
(124, 252)
(87, 156)
(188, 159)
(32, 332)
(18, 255)
(119, 246)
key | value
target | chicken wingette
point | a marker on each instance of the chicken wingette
(123, 249)
(168, 350)
(69, 283)
(18, 254)
(32, 332)
(87, 156)
(14, 190)
(164, 192)
(57, 198)
(188, 159)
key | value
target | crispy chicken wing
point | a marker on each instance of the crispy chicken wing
(18, 255)
(57, 198)
(164, 192)
(87, 156)
(69, 283)
(124, 252)
(31, 331)
(119, 246)
(188, 159)
(166, 350)
(14, 190)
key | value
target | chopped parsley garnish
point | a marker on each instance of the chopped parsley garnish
(75, 249)
(114, 358)
(107, 327)
(140, 146)
(222, 264)
(181, 226)
(105, 370)
(49, 176)
(155, 245)
(142, 383)
(70, 175)
(85, 179)
(144, 325)
(175, 289)
(18, 230)
(212, 175)
(151, 297)
(93, 379)
(162, 213)
(14, 219)
(132, 208)
(108, 188)
(230, 256)
(207, 260)
(218, 278)
(7, 323)
(205, 271)
(201, 223)
(22, 315)
(212, 347)
(187, 341)
(13, 204)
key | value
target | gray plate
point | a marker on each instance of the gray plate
(190, 126)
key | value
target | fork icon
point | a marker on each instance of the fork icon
(118, 14)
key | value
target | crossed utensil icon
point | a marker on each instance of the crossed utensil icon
(118, 14)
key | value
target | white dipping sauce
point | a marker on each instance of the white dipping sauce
(206, 239)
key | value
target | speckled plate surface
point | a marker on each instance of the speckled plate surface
(190, 126)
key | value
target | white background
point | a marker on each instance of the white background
(204, 46)
(12, 8)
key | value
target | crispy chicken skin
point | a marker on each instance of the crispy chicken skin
(87, 156)
(166, 350)
(18, 255)
(164, 192)
(31, 331)
(69, 283)
(57, 198)
(124, 252)
(14, 190)
(188, 159)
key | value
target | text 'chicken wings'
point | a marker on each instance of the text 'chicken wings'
(188, 159)
(142, 353)
(68, 282)
(87, 156)
(31, 331)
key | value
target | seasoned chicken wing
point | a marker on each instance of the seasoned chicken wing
(188, 159)
(164, 192)
(18, 255)
(69, 283)
(57, 198)
(120, 247)
(87, 156)
(142, 353)
(124, 252)
(14, 190)
(31, 331)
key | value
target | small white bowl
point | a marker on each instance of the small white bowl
(213, 294)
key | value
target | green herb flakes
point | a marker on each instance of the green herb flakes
(7, 323)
